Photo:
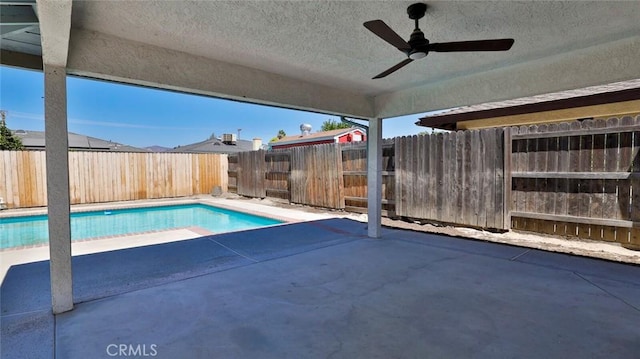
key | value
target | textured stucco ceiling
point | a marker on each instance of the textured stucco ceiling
(324, 43)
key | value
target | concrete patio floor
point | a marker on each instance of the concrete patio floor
(322, 289)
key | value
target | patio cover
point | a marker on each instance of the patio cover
(309, 55)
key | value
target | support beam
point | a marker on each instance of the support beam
(58, 202)
(6, 30)
(374, 178)
(55, 25)
(55, 28)
(596, 65)
(17, 2)
(106, 57)
(21, 60)
(18, 15)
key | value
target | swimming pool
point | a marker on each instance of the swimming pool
(33, 230)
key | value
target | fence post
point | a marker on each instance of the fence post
(507, 178)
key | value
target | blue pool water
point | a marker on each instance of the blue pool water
(32, 230)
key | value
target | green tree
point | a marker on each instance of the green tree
(279, 136)
(329, 125)
(7, 140)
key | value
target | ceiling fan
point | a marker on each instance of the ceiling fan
(418, 47)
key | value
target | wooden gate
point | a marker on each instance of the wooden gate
(316, 176)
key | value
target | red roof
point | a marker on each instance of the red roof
(317, 136)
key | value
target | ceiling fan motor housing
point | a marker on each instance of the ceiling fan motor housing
(419, 45)
(417, 42)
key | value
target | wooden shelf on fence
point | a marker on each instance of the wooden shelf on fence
(364, 199)
(577, 175)
(364, 173)
(573, 133)
(576, 219)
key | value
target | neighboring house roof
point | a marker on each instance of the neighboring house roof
(35, 140)
(618, 92)
(214, 145)
(317, 136)
(156, 148)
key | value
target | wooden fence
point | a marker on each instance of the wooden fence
(250, 176)
(316, 176)
(354, 164)
(330, 176)
(573, 179)
(452, 177)
(580, 179)
(111, 176)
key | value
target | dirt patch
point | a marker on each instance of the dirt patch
(576, 246)
(582, 247)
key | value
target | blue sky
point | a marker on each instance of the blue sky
(144, 117)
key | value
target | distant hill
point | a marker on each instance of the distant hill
(157, 148)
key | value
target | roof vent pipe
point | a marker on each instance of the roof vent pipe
(305, 128)
(257, 143)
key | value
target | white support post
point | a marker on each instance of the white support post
(58, 203)
(374, 178)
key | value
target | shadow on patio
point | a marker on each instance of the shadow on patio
(323, 289)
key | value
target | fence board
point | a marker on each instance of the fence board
(423, 180)
(502, 193)
(520, 162)
(612, 164)
(459, 168)
(562, 185)
(598, 164)
(474, 171)
(3, 184)
(543, 199)
(584, 185)
(438, 176)
(634, 236)
(488, 193)
(451, 176)
(553, 163)
(401, 182)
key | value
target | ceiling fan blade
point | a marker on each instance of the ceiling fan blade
(479, 45)
(384, 32)
(393, 69)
